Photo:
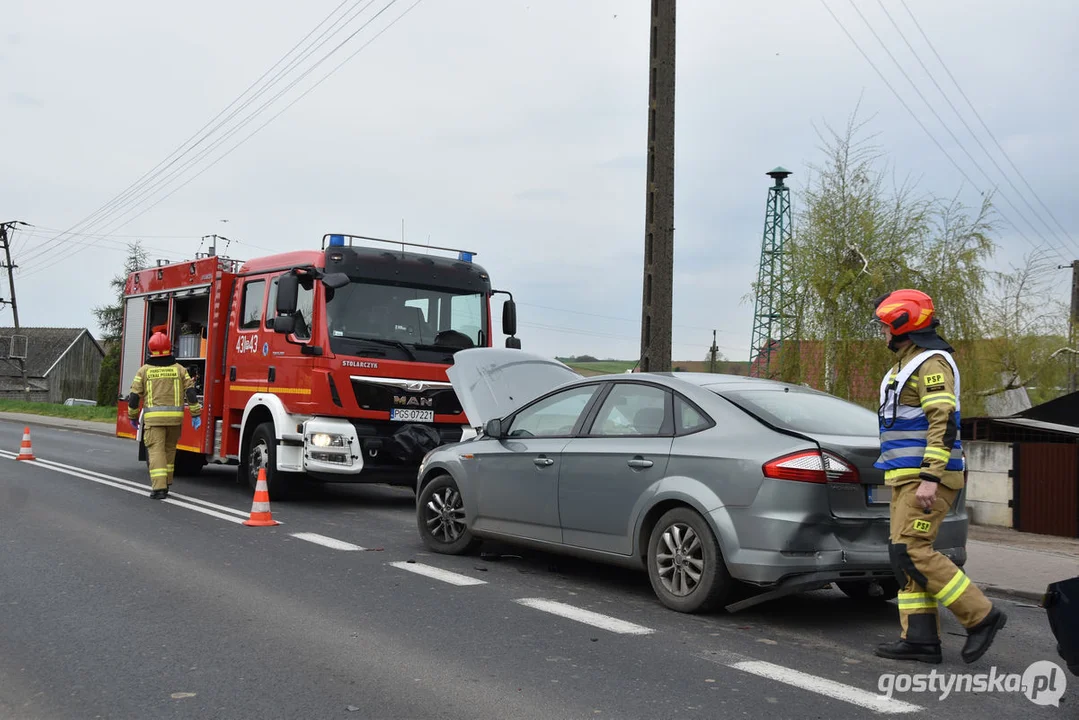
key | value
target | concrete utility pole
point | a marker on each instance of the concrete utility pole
(5, 239)
(714, 350)
(658, 295)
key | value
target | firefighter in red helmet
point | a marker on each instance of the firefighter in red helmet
(922, 459)
(159, 391)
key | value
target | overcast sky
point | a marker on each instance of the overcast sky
(514, 128)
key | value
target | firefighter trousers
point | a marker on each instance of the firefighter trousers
(160, 444)
(927, 578)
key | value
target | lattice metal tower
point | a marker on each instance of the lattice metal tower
(773, 319)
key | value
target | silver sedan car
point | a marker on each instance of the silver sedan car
(711, 483)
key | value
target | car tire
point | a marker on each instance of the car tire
(262, 453)
(440, 518)
(669, 573)
(868, 592)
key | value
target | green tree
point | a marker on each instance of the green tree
(859, 233)
(110, 319)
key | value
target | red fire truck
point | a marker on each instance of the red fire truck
(329, 364)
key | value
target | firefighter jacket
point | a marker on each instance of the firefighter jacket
(161, 386)
(919, 420)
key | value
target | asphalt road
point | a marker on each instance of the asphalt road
(117, 606)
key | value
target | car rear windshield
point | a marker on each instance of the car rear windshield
(807, 412)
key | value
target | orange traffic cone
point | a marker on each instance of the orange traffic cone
(260, 506)
(25, 451)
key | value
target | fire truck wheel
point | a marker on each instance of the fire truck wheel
(262, 454)
(440, 516)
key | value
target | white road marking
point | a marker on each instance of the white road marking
(326, 541)
(143, 488)
(588, 617)
(813, 683)
(129, 486)
(438, 574)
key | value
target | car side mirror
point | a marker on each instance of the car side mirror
(493, 429)
(335, 280)
(284, 324)
(514, 343)
(288, 291)
(509, 318)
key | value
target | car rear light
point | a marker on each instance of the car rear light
(839, 470)
(811, 466)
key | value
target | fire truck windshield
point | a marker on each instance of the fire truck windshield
(411, 323)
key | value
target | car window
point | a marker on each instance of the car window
(251, 310)
(632, 409)
(305, 306)
(805, 411)
(271, 305)
(689, 419)
(554, 416)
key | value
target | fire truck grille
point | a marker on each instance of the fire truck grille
(376, 396)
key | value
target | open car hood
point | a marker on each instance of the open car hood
(493, 382)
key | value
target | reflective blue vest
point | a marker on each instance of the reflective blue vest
(903, 428)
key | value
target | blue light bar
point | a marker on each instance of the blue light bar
(465, 256)
(337, 240)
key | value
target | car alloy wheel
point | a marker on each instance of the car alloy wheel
(441, 518)
(445, 514)
(685, 564)
(680, 560)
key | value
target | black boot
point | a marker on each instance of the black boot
(157, 494)
(922, 643)
(981, 636)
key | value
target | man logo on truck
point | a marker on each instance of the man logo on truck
(405, 401)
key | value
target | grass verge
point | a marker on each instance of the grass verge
(94, 414)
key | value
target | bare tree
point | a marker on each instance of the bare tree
(1026, 327)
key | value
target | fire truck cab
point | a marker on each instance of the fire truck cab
(327, 364)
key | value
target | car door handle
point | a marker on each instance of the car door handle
(638, 462)
(543, 462)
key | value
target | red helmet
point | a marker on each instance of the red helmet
(905, 311)
(159, 344)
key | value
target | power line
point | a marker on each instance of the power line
(922, 125)
(113, 244)
(965, 124)
(947, 129)
(138, 190)
(126, 192)
(274, 117)
(115, 235)
(978, 115)
(148, 189)
(251, 117)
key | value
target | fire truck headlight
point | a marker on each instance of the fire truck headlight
(326, 440)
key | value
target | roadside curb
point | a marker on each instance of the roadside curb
(83, 426)
(1012, 594)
